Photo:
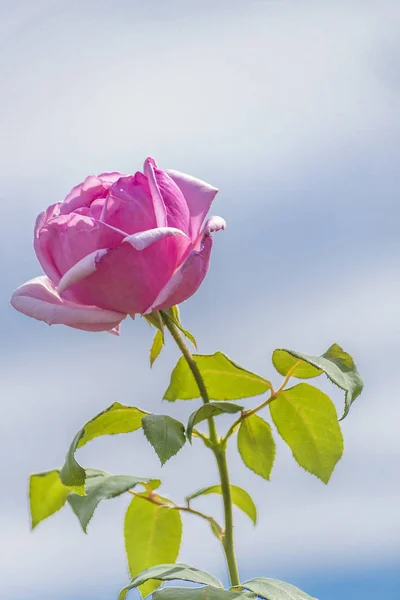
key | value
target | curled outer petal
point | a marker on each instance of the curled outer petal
(185, 282)
(212, 225)
(39, 299)
(198, 195)
(144, 239)
(84, 267)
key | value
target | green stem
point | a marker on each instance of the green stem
(228, 541)
(219, 450)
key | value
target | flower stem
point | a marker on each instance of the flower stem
(219, 450)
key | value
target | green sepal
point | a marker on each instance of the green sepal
(157, 346)
(173, 314)
(155, 320)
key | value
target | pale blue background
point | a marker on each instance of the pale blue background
(290, 108)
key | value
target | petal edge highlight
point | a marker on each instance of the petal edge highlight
(39, 299)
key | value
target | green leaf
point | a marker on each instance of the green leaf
(337, 364)
(156, 347)
(100, 486)
(117, 418)
(171, 573)
(240, 498)
(256, 445)
(153, 484)
(203, 593)
(284, 361)
(152, 537)
(73, 474)
(212, 409)
(272, 589)
(223, 379)
(306, 419)
(47, 495)
(165, 434)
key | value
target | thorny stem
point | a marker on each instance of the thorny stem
(219, 449)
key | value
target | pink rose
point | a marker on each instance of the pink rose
(118, 245)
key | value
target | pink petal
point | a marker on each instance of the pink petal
(85, 193)
(110, 177)
(186, 281)
(115, 330)
(212, 225)
(129, 205)
(42, 251)
(158, 202)
(69, 238)
(38, 299)
(88, 264)
(144, 239)
(174, 201)
(96, 208)
(128, 280)
(84, 267)
(198, 195)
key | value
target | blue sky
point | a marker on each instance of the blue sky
(291, 109)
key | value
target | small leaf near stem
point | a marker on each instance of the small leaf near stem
(256, 445)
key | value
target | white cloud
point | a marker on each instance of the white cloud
(270, 86)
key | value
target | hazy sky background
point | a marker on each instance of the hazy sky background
(292, 110)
